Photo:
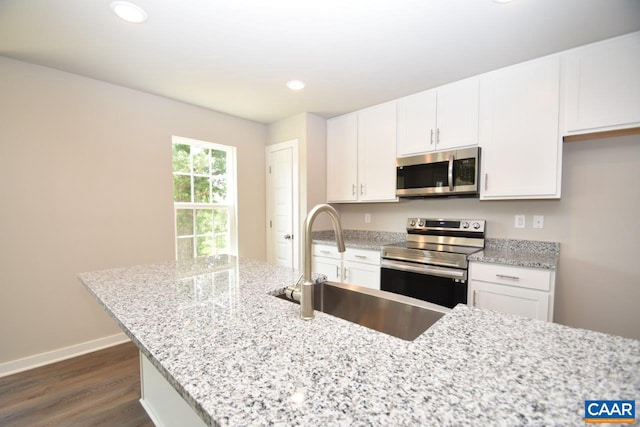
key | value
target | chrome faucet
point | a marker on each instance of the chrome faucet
(306, 289)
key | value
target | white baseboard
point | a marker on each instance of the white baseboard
(35, 361)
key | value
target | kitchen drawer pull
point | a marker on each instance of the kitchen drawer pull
(361, 256)
(505, 276)
(325, 252)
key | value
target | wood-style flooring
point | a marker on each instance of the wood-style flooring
(95, 389)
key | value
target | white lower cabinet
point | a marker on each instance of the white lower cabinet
(523, 291)
(359, 267)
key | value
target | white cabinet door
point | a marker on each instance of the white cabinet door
(509, 299)
(377, 153)
(360, 274)
(342, 158)
(416, 123)
(518, 133)
(458, 114)
(330, 267)
(602, 86)
(439, 119)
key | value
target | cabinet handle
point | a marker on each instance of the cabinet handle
(437, 135)
(504, 276)
(353, 189)
(431, 136)
(361, 189)
(486, 179)
(325, 252)
(360, 256)
(473, 300)
(337, 273)
(346, 275)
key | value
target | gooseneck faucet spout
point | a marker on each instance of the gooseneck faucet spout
(306, 289)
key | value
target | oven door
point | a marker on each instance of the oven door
(438, 285)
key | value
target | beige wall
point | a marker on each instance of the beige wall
(596, 221)
(85, 184)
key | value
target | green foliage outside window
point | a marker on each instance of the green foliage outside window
(200, 180)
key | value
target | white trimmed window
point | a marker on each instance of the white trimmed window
(204, 195)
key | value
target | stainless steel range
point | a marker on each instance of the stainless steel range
(432, 264)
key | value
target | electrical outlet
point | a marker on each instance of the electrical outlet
(519, 221)
(538, 221)
(367, 218)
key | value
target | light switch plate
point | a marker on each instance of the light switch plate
(519, 221)
(367, 218)
(538, 221)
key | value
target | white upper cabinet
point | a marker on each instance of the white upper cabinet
(377, 153)
(602, 86)
(361, 150)
(518, 131)
(439, 119)
(342, 158)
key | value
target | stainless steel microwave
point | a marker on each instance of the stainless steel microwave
(440, 173)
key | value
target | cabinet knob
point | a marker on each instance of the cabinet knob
(288, 236)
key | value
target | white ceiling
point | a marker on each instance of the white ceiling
(235, 56)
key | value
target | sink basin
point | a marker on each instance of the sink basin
(396, 315)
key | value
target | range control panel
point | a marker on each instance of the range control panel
(424, 224)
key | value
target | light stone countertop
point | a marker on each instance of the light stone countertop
(359, 239)
(520, 253)
(237, 355)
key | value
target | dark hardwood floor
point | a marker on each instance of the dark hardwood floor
(96, 389)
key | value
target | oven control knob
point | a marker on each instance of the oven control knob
(421, 223)
(476, 225)
(465, 225)
(412, 223)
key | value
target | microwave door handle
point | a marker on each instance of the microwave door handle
(451, 159)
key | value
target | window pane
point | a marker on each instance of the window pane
(219, 189)
(181, 158)
(204, 246)
(220, 220)
(184, 222)
(201, 189)
(218, 162)
(204, 221)
(200, 161)
(221, 244)
(181, 188)
(185, 248)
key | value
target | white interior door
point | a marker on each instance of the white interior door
(282, 204)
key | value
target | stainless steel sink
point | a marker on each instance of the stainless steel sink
(396, 315)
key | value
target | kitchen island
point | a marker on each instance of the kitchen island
(239, 356)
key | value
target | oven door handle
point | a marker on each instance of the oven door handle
(424, 269)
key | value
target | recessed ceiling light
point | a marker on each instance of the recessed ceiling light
(129, 11)
(295, 84)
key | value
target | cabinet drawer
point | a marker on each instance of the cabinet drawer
(326, 251)
(362, 255)
(522, 277)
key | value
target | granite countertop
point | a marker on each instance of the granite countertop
(520, 253)
(237, 355)
(359, 239)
